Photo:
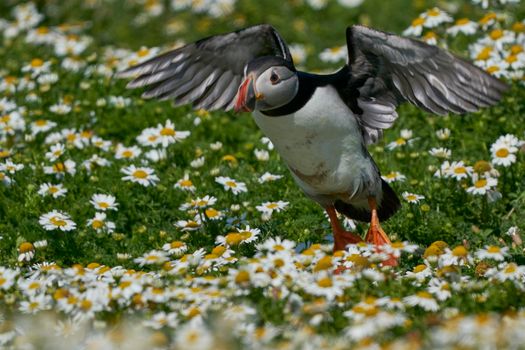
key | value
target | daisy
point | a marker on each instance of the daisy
(56, 220)
(266, 141)
(464, 26)
(95, 162)
(100, 143)
(298, 53)
(26, 252)
(443, 134)
(276, 244)
(393, 176)
(103, 202)
(176, 248)
(412, 197)
(480, 186)
(55, 152)
(123, 152)
(199, 203)
(55, 191)
(440, 152)
(267, 208)
(261, 155)
(231, 184)
(492, 252)
(60, 108)
(267, 177)
(416, 27)
(149, 137)
(61, 168)
(156, 257)
(197, 163)
(422, 299)
(185, 184)
(41, 125)
(36, 67)
(36, 304)
(458, 171)
(142, 175)
(334, 54)
(168, 134)
(406, 138)
(188, 225)
(194, 336)
(503, 153)
(100, 224)
(216, 146)
(212, 214)
(434, 17)
(10, 167)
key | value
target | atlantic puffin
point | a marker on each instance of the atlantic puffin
(321, 125)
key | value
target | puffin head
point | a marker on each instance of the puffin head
(269, 82)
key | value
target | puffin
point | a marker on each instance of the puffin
(322, 124)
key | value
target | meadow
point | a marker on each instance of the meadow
(128, 223)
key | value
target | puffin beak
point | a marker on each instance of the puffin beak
(246, 96)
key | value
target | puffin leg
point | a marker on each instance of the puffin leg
(341, 237)
(375, 234)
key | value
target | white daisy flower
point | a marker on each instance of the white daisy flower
(56, 220)
(434, 17)
(185, 184)
(61, 168)
(422, 299)
(267, 177)
(440, 152)
(334, 54)
(103, 202)
(267, 208)
(41, 125)
(55, 191)
(154, 257)
(197, 163)
(412, 197)
(458, 171)
(232, 185)
(503, 153)
(100, 224)
(142, 175)
(261, 155)
(443, 134)
(168, 134)
(464, 26)
(393, 176)
(123, 152)
(55, 152)
(480, 186)
(492, 252)
(416, 27)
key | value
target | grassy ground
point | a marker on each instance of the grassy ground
(146, 216)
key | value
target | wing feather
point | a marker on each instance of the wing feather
(386, 68)
(206, 73)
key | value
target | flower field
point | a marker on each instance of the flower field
(130, 224)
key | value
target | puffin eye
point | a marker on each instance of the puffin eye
(274, 78)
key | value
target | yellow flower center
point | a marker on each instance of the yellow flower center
(97, 224)
(231, 184)
(323, 264)
(484, 54)
(167, 132)
(492, 69)
(140, 174)
(57, 222)
(335, 50)
(242, 277)
(278, 247)
(41, 122)
(511, 268)
(462, 21)
(325, 282)
(518, 27)
(418, 22)
(420, 268)
(211, 213)
(487, 18)
(433, 12)
(272, 205)
(25, 247)
(103, 205)
(411, 197)
(496, 34)
(36, 62)
(219, 250)
(493, 249)
(460, 170)
(425, 295)
(516, 49)
(86, 305)
(502, 153)
(176, 244)
(401, 141)
(143, 52)
(233, 238)
(185, 183)
(480, 183)
(511, 59)
(127, 154)
(460, 251)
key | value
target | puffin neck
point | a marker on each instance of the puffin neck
(307, 85)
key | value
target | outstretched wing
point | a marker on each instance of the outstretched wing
(387, 70)
(206, 73)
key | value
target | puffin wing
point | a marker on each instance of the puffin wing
(386, 70)
(206, 73)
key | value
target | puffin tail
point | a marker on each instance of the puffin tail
(388, 206)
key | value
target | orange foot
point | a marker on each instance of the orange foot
(376, 235)
(342, 238)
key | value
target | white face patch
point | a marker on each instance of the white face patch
(275, 87)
